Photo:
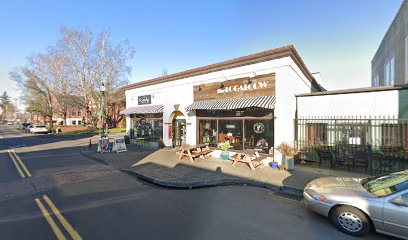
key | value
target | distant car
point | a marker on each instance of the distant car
(356, 205)
(39, 129)
(24, 126)
(10, 123)
(27, 128)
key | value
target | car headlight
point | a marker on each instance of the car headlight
(317, 196)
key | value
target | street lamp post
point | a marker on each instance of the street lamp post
(103, 90)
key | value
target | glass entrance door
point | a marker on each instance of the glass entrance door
(179, 132)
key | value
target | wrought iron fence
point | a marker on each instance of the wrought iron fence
(374, 145)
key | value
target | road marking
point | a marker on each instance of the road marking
(74, 234)
(16, 165)
(57, 231)
(23, 166)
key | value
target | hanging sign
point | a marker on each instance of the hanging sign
(145, 99)
(119, 145)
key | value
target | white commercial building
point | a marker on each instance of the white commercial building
(248, 101)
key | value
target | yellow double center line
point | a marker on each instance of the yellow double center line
(19, 164)
(55, 228)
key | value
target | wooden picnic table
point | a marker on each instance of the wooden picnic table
(252, 158)
(195, 151)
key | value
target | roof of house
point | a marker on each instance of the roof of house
(286, 51)
(355, 90)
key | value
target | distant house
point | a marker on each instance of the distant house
(390, 63)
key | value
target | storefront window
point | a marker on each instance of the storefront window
(150, 129)
(231, 131)
(208, 132)
(259, 135)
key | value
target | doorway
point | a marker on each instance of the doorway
(179, 132)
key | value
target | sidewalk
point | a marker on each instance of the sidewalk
(164, 168)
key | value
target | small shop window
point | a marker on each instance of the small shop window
(231, 131)
(208, 132)
(73, 122)
(150, 129)
(259, 135)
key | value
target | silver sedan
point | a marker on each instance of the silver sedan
(358, 205)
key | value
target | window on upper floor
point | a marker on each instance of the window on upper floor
(389, 72)
(406, 59)
(79, 113)
(376, 81)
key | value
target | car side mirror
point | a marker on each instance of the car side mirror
(399, 201)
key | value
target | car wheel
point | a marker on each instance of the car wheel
(350, 220)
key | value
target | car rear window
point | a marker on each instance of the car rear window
(40, 126)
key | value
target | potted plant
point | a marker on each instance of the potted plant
(288, 152)
(224, 148)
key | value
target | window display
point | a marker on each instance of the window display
(259, 135)
(231, 131)
(151, 129)
(208, 132)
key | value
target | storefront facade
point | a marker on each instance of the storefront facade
(248, 101)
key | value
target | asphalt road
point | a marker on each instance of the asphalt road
(69, 196)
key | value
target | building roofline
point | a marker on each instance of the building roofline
(355, 90)
(389, 28)
(276, 53)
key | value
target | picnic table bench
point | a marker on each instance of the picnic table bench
(195, 151)
(252, 158)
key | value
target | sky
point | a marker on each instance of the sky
(337, 38)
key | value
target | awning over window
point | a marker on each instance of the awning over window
(267, 102)
(143, 109)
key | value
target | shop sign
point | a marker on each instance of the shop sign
(259, 127)
(243, 87)
(261, 85)
(145, 99)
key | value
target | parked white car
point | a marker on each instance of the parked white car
(356, 206)
(39, 129)
(27, 128)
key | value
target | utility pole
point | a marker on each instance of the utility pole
(103, 89)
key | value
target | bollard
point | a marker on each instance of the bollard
(90, 143)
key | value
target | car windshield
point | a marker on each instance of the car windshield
(387, 184)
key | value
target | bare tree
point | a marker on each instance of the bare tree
(60, 82)
(36, 84)
(71, 73)
(95, 61)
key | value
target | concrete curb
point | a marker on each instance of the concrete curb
(215, 182)
(203, 183)
(82, 152)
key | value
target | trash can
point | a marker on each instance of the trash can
(127, 139)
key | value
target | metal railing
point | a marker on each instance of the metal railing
(374, 145)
